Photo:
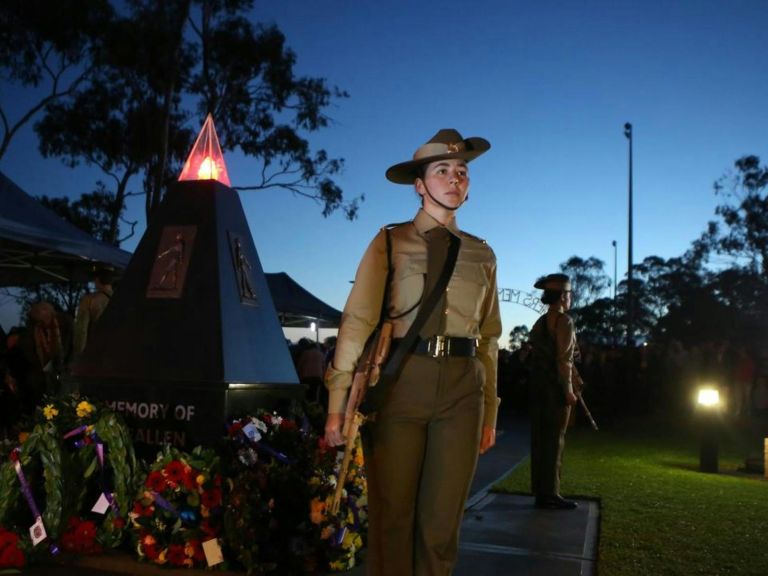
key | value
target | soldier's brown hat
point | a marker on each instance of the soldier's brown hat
(558, 282)
(444, 145)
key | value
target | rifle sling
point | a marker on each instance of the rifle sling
(374, 396)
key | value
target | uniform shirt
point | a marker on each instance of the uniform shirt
(555, 331)
(471, 305)
(89, 310)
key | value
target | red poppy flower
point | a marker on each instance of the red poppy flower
(156, 481)
(197, 551)
(175, 472)
(211, 498)
(289, 425)
(176, 555)
(141, 510)
(12, 557)
(151, 551)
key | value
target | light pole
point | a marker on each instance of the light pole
(630, 301)
(615, 265)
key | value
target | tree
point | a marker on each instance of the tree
(45, 47)
(588, 279)
(743, 214)
(162, 67)
(518, 336)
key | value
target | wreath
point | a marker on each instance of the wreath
(340, 537)
(270, 460)
(179, 508)
(76, 451)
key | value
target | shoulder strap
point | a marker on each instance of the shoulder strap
(375, 395)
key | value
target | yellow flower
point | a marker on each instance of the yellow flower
(50, 412)
(23, 437)
(161, 559)
(84, 409)
(200, 479)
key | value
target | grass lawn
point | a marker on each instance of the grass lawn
(658, 514)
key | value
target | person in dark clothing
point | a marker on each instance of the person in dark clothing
(554, 383)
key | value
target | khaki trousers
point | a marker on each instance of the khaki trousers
(420, 456)
(549, 422)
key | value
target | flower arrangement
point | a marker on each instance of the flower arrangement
(340, 537)
(269, 462)
(11, 552)
(76, 453)
(179, 508)
(282, 482)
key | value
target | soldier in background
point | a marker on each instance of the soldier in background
(91, 307)
(554, 383)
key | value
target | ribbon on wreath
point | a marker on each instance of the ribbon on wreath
(90, 437)
(27, 491)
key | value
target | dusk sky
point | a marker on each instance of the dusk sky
(549, 83)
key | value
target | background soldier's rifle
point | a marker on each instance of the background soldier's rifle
(587, 413)
(578, 388)
(366, 375)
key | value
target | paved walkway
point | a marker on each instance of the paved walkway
(504, 535)
(501, 535)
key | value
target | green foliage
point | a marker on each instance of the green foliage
(659, 514)
(65, 475)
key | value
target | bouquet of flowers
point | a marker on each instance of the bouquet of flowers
(270, 463)
(340, 537)
(178, 511)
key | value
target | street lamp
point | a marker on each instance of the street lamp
(709, 406)
(630, 303)
(613, 324)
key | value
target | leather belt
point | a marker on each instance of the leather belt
(441, 346)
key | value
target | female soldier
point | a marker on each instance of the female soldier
(422, 448)
(553, 379)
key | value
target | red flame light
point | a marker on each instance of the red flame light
(206, 162)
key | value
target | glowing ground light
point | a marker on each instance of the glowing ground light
(708, 397)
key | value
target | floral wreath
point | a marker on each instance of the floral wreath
(341, 536)
(270, 460)
(80, 449)
(179, 508)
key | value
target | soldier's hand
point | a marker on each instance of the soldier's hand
(488, 439)
(333, 427)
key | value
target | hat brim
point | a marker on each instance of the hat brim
(407, 172)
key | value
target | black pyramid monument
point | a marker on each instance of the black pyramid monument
(191, 336)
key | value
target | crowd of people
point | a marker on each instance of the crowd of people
(655, 378)
(36, 355)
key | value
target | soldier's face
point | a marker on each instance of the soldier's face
(447, 180)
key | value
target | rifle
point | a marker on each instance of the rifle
(587, 413)
(579, 387)
(366, 375)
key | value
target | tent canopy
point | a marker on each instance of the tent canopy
(37, 246)
(296, 307)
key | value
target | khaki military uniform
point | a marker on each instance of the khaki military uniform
(422, 449)
(89, 310)
(553, 375)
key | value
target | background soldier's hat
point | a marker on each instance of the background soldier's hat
(444, 145)
(558, 282)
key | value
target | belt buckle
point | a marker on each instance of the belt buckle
(438, 346)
